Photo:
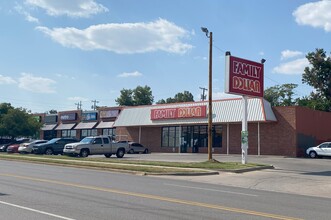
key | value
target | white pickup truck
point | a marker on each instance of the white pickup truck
(96, 145)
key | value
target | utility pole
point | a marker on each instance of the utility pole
(94, 106)
(210, 110)
(203, 96)
(79, 105)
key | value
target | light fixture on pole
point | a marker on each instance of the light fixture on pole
(210, 112)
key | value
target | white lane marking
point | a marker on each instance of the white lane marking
(214, 190)
(35, 210)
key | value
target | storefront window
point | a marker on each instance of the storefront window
(191, 136)
(109, 131)
(69, 133)
(89, 132)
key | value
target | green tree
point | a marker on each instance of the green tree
(281, 95)
(318, 74)
(185, 96)
(315, 101)
(125, 98)
(138, 96)
(143, 96)
(17, 122)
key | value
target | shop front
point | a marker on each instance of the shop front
(183, 127)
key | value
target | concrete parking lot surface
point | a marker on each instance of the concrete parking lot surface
(304, 176)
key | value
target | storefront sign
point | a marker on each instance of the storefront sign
(243, 77)
(180, 112)
(50, 119)
(91, 116)
(109, 113)
(68, 117)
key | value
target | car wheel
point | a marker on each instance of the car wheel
(107, 155)
(84, 153)
(313, 154)
(49, 151)
(146, 151)
(131, 151)
(120, 153)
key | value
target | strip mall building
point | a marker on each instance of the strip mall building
(182, 127)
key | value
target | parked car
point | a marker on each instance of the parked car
(26, 148)
(324, 149)
(13, 148)
(54, 146)
(137, 148)
(4, 147)
(96, 145)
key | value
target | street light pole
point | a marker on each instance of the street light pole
(210, 99)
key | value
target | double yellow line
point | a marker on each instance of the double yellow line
(154, 197)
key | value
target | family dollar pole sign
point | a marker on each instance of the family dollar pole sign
(245, 78)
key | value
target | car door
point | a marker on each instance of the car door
(329, 150)
(97, 146)
(106, 146)
(323, 149)
(58, 146)
(138, 148)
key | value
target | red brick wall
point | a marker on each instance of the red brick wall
(312, 128)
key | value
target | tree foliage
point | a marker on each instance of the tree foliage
(17, 122)
(318, 75)
(138, 96)
(281, 95)
(185, 96)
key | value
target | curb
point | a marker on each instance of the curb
(249, 169)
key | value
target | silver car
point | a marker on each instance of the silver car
(26, 148)
(324, 149)
(137, 148)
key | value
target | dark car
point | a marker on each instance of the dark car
(137, 148)
(4, 147)
(54, 146)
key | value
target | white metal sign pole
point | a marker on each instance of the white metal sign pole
(244, 132)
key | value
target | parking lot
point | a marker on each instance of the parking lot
(302, 176)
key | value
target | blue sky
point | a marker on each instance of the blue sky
(55, 53)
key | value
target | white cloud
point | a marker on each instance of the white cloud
(293, 67)
(26, 14)
(6, 80)
(132, 74)
(36, 84)
(315, 14)
(126, 38)
(71, 8)
(77, 98)
(286, 54)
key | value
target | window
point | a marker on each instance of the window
(69, 133)
(97, 141)
(190, 136)
(89, 132)
(109, 131)
(105, 140)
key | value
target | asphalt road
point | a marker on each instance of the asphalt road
(34, 191)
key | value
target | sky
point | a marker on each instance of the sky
(55, 54)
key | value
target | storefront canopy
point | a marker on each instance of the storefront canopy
(48, 127)
(65, 126)
(85, 125)
(105, 124)
(224, 111)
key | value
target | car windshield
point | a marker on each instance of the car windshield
(53, 140)
(87, 140)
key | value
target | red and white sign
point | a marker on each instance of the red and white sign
(243, 77)
(179, 112)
